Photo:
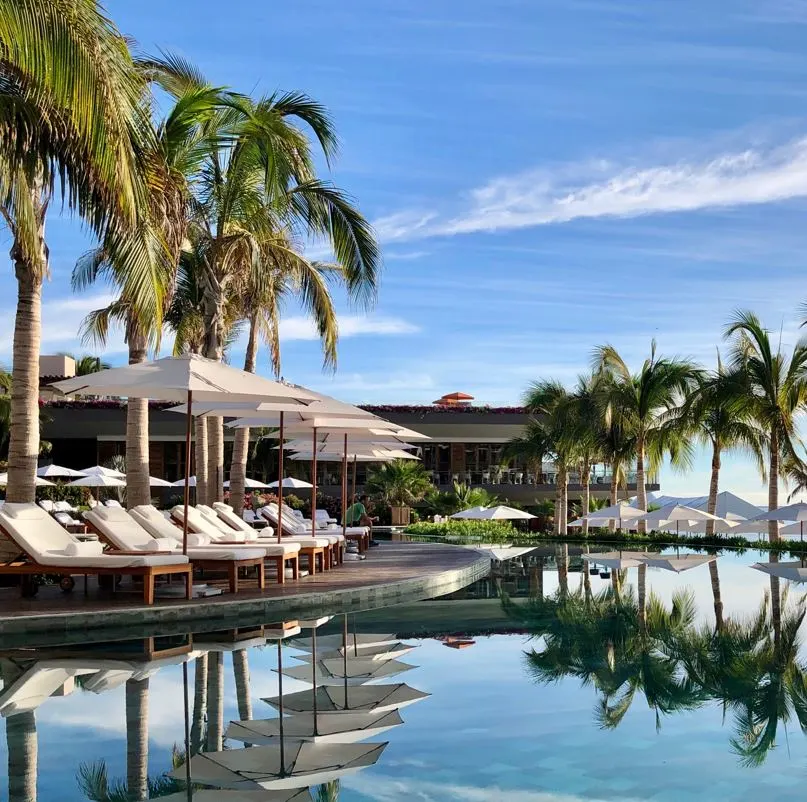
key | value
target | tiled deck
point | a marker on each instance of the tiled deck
(393, 573)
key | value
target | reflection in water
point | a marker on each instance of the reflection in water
(629, 645)
(302, 750)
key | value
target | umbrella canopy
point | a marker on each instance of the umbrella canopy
(320, 405)
(792, 571)
(499, 513)
(678, 564)
(330, 442)
(617, 559)
(58, 472)
(367, 698)
(100, 470)
(500, 553)
(720, 527)
(675, 513)
(290, 481)
(359, 671)
(278, 767)
(356, 640)
(616, 512)
(393, 651)
(173, 377)
(217, 795)
(98, 481)
(38, 481)
(250, 484)
(156, 482)
(331, 728)
(374, 455)
(791, 512)
(181, 482)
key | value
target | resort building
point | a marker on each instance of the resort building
(466, 444)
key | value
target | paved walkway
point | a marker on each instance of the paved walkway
(393, 573)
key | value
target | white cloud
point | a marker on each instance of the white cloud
(302, 328)
(603, 189)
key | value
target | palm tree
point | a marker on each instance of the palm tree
(198, 735)
(775, 389)
(137, 738)
(178, 150)
(94, 782)
(642, 404)
(72, 112)
(258, 182)
(289, 275)
(530, 448)
(588, 434)
(87, 364)
(555, 411)
(328, 792)
(22, 745)
(618, 450)
(215, 701)
(400, 483)
(241, 674)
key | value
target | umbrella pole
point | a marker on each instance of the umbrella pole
(186, 500)
(344, 493)
(353, 493)
(314, 497)
(280, 706)
(188, 785)
(344, 654)
(280, 486)
(314, 675)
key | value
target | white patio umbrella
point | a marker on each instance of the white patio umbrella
(250, 484)
(184, 379)
(675, 514)
(616, 512)
(791, 512)
(499, 513)
(678, 563)
(357, 672)
(392, 651)
(155, 481)
(96, 480)
(218, 795)
(792, 571)
(38, 481)
(100, 470)
(366, 698)
(190, 481)
(278, 768)
(357, 640)
(617, 560)
(57, 472)
(290, 481)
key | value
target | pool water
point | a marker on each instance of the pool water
(569, 698)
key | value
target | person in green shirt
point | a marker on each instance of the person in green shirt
(356, 515)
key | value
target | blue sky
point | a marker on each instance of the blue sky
(544, 176)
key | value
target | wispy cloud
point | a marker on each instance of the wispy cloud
(302, 328)
(608, 189)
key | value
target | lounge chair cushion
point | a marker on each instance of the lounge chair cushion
(89, 549)
(225, 512)
(198, 523)
(23, 512)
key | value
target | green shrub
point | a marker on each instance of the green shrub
(487, 531)
(75, 496)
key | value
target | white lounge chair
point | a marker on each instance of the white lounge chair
(46, 505)
(63, 506)
(123, 532)
(46, 545)
(158, 526)
(325, 516)
(69, 522)
(226, 514)
(292, 527)
(212, 517)
(113, 502)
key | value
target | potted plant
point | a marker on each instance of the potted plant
(399, 484)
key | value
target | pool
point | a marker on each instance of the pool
(576, 697)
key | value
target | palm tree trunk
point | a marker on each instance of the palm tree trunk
(714, 484)
(200, 427)
(562, 559)
(215, 696)
(641, 490)
(614, 497)
(642, 594)
(564, 501)
(215, 459)
(587, 580)
(714, 576)
(23, 448)
(773, 485)
(138, 490)
(199, 704)
(776, 604)
(137, 739)
(21, 740)
(241, 673)
(558, 503)
(585, 496)
(238, 466)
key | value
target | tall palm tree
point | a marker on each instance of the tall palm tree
(198, 735)
(137, 738)
(642, 403)
(180, 143)
(328, 792)
(289, 275)
(588, 435)
(554, 409)
(241, 674)
(87, 364)
(776, 388)
(21, 743)
(72, 113)
(618, 450)
(530, 447)
(215, 701)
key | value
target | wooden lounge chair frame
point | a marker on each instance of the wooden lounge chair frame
(328, 556)
(230, 567)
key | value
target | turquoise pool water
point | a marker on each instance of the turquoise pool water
(498, 724)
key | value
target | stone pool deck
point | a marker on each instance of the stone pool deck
(393, 573)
